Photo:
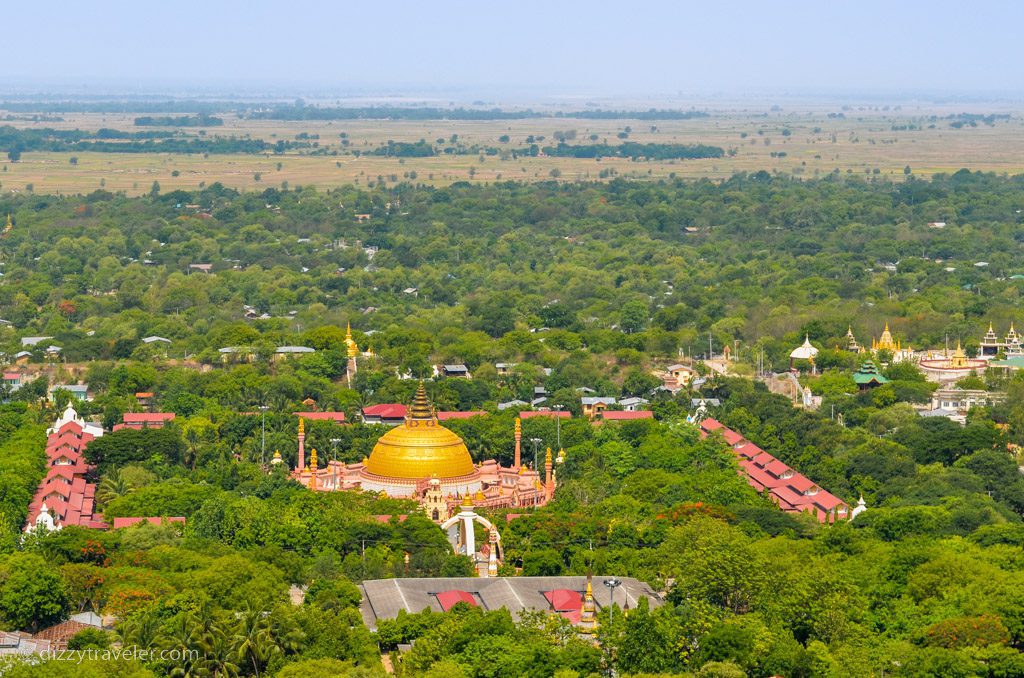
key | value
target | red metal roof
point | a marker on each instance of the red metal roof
(612, 415)
(748, 450)
(442, 416)
(710, 425)
(147, 417)
(564, 599)
(448, 599)
(776, 468)
(338, 417)
(385, 411)
(731, 436)
(545, 413)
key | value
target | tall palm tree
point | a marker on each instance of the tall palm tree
(140, 631)
(219, 655)
(254, 643)
(182, 638)
(112, 485)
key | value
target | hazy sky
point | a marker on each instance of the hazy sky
(595, 47)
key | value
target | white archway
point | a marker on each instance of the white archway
(461, 532)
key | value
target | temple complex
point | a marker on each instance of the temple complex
(950, 368)
(991, 345)
(65, 497)
(425, 461)
(803, 352)
(851, 341)
(868, 376)
(886, 342)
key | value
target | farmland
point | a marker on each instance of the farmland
(805, 142)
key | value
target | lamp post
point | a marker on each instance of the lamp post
(558, 424)
(536, 442)
(263, 435)
(612, 584)
(334, 458)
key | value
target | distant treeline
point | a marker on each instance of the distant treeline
(201, 120)
(206, 109)
(428, 113)
(634, 150)
(629, 149)
(149, 141)
(122, 106)
(404, 149)
(650, 114)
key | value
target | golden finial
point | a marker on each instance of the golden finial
(467, 502)
(312, 460)
(352, 349)
(479, 495)
(420, 404)
(547, 457)
(519, 425)
(302, 426)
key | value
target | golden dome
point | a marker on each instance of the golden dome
(420, 447)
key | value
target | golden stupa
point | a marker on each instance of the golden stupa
(886, 342)
(420, 447)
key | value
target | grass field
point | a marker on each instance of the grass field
(805, 143)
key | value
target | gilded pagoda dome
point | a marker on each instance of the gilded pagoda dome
(420, 448)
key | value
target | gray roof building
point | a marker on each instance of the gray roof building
(383, 598)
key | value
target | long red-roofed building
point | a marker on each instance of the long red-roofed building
(336, 417)
(791, 491)
(64, 497)
(394, 414)
(141, 420)
(623, 415)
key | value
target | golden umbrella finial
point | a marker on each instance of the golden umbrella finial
(420, 404)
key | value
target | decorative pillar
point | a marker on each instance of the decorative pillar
(302, 444)
(549, 481)
(492, 559)
(352, 351)
(519, 440)
(312, 470)
(588, 614)
(469, 536)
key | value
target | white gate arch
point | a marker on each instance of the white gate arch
(461, 532)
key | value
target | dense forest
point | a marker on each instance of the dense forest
(304, 112)
(14, 142)
(597, 283)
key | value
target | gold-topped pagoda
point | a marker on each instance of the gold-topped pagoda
(886, 342)
(959, 359)
(352, 351)
(420, 447)
(351, 347)
(423, 460)
(851, 341)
